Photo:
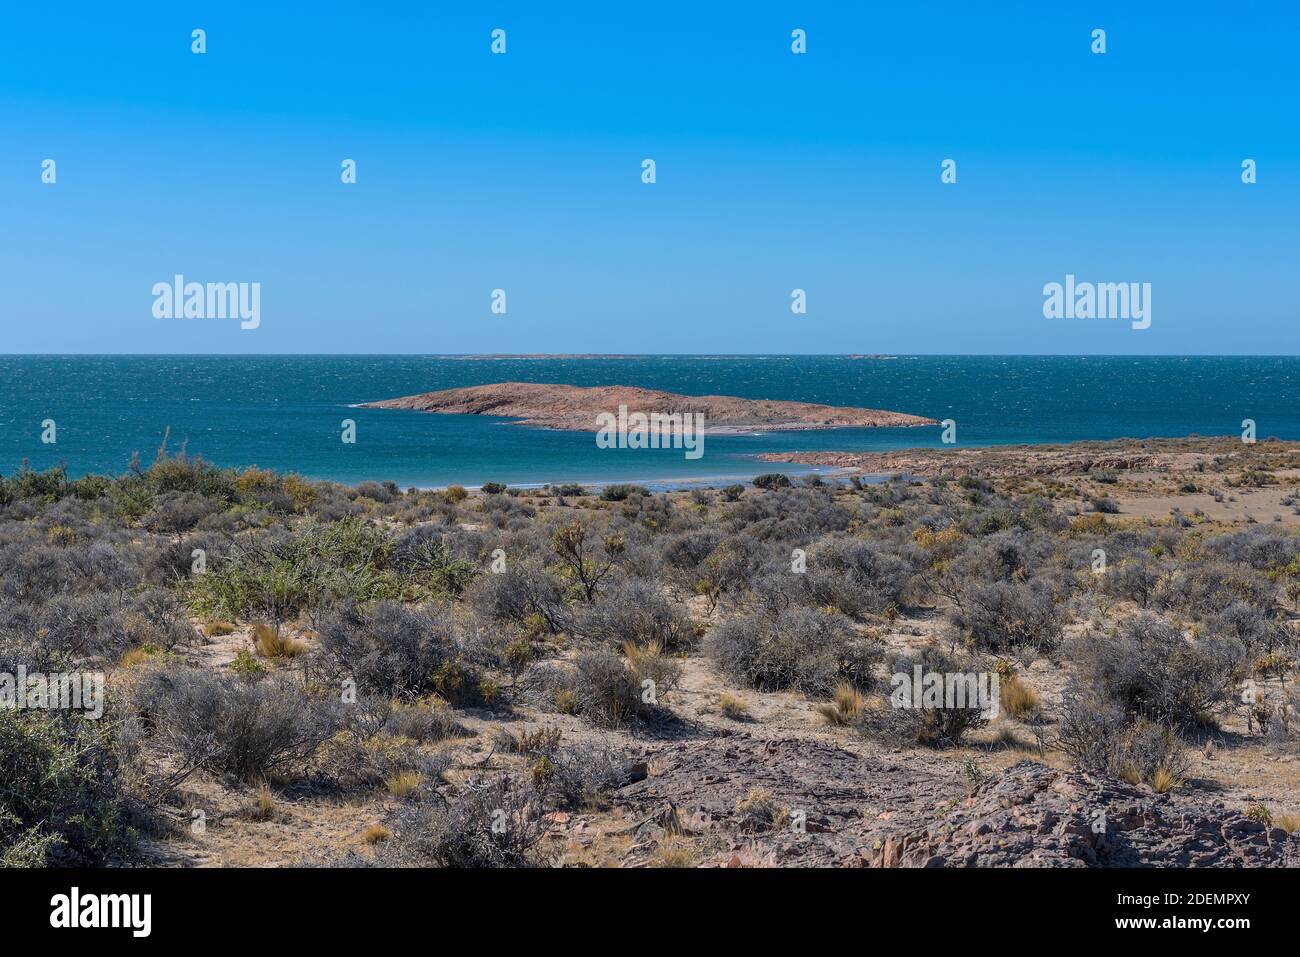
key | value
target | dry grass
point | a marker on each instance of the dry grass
(1017, 699)
(263, 805)
(762, 809)
(675, 852)
(136, 656)
(403, 783)
(648, 661)
(845, 707)
(215, 629)
(732, 707)
(1004, 736)
(640, 656)
(1164, 781)
(1288, 822)
(543, 741)
(542, 771)
(270, 642)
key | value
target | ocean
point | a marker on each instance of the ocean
(285, 412)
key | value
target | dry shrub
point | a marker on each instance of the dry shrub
(801, 648)
(226, 724)
(905, 722)
(464, 830)
(612, 690)
(760, 811)
(1148, 668)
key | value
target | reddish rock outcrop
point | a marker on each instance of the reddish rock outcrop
(575, 408)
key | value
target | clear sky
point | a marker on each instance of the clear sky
(775, 171)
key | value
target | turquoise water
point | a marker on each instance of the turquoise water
(284, 412)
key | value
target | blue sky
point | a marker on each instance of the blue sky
(775, 171)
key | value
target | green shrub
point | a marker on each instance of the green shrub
(62, 801)
(88, 488)
(349, 559)
(47, 486)
(619, 493)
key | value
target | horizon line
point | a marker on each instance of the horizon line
(656, 355)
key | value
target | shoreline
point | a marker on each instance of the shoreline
(1021, 460)
(1005, 460)
(1024, 460)
(1039, 459)
(668, 483)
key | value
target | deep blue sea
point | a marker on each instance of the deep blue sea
(285, 412)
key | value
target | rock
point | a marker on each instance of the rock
(862, 811)
(841, 795)
(575, 408)
(650, 833)
(660, 823)
(635, 772)
(1034, 815)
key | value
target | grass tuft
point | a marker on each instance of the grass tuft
(674, 852)
(1017, 699)
(733, 707)
(403, 783)
(270, 642)
(845, 707)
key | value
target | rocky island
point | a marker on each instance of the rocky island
(575, 408)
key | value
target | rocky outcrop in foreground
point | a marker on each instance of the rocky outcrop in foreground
(698, 789)
(575, 408)
(1035, 816)
(881, 812)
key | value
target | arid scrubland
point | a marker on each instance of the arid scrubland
(303, 673)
